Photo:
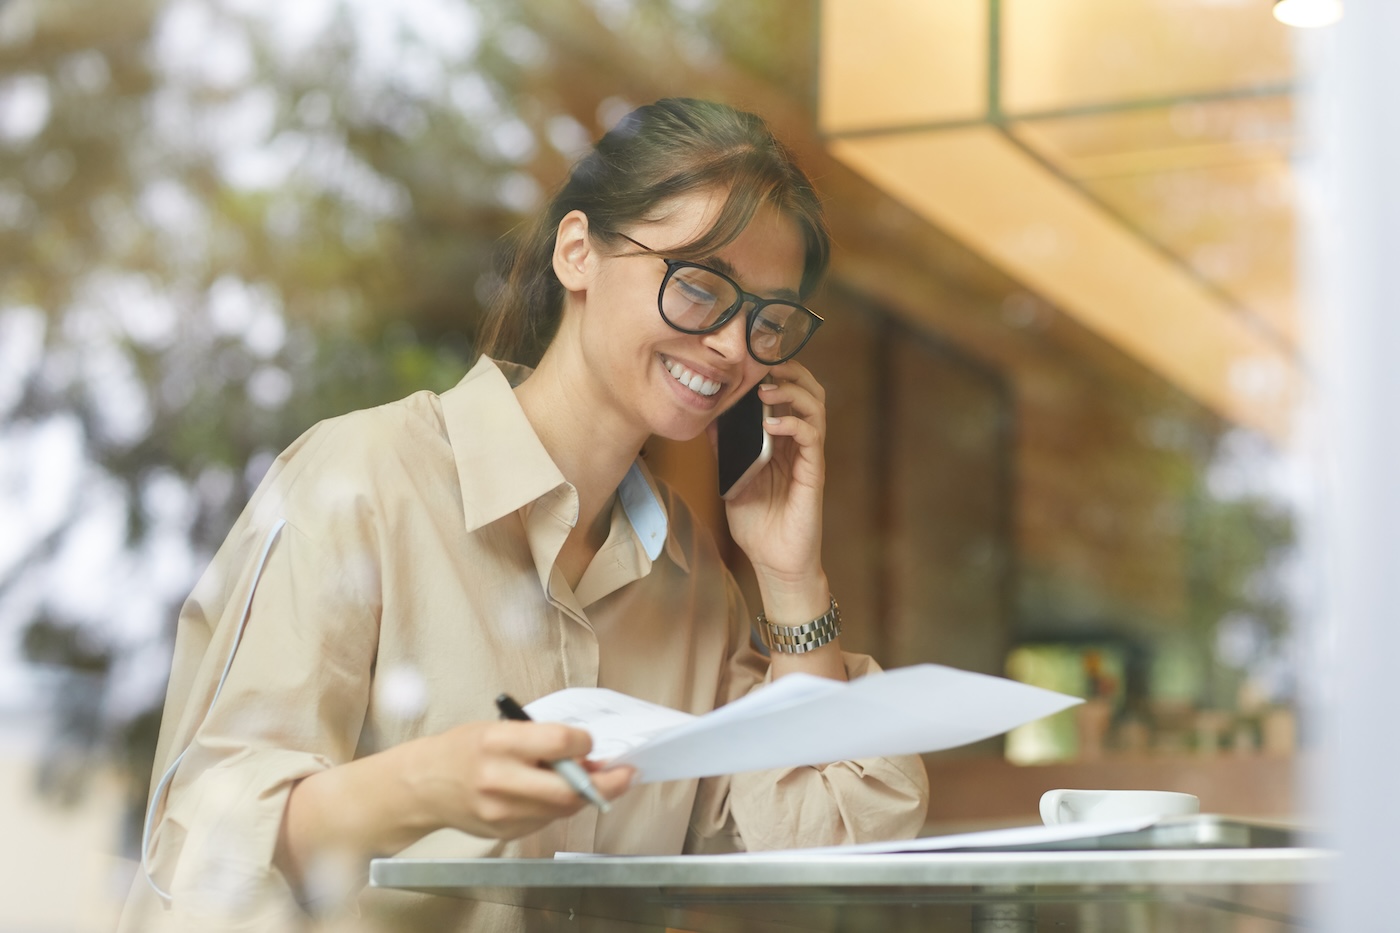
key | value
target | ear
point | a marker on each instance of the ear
(573, 252)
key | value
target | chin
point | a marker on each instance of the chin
(680, 435)
(681, 430)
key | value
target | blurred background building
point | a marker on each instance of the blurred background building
(1063, 349)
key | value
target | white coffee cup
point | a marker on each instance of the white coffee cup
(1097, 806)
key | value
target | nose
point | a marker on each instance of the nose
(731, 340)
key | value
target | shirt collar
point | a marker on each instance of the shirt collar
(502, 466)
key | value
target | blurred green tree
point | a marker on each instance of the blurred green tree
(215, 241)
(223, 220)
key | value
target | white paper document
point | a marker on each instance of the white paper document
(801, 720)
(1011, 837)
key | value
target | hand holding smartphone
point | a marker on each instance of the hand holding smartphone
(744, 446)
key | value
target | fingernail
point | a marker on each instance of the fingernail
(767, 386)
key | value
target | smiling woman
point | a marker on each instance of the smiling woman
(652, 156)
(505, 536)
(662, 379)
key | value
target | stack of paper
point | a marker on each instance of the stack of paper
(801, 720)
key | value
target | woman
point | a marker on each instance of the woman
(400, 567)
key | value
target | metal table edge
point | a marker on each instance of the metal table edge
(1183, 866)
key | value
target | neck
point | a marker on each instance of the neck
(592, 446)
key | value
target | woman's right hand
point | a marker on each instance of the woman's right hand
(493, 778)
(486, 778)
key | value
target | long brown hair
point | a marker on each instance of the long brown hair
(655, 153)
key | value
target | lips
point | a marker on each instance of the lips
(692, 380)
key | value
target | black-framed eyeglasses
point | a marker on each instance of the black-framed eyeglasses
(696, 299)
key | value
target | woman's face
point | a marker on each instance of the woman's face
(674, 384)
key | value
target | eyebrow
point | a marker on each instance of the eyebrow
(720, 265)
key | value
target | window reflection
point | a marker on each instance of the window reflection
(220, 222)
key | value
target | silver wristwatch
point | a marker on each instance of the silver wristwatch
(799, 639)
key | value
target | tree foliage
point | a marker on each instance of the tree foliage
(224, 220)
(214, 231)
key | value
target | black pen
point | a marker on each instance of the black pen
(566, 768)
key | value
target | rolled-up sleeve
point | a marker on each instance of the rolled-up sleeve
(294, 701)
(865, 800)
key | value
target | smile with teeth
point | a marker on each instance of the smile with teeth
(692, 381)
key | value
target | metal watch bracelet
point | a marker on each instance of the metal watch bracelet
(799, 639)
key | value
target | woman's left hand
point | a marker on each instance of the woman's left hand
(777, 518)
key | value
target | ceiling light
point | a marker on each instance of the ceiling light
(1308, 12)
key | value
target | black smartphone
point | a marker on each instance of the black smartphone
(744, 447)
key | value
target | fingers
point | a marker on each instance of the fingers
(796, 388)
(519, 755)
(794, 373)
(494, 779)
(542, 783)
(543, 743)
(799, 405)
(513, 790)
(613, 782)
(807, 435)
(525, 790)
(537, 741)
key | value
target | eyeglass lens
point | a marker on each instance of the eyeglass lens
(695, 298)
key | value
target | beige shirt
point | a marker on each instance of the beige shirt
(413, 582)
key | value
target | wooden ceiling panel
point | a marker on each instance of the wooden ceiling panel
(1075, 52)
(892, 62)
